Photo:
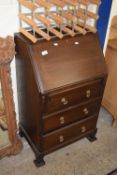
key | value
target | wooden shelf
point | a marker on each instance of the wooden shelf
(84, 2)
(68, 31)
(89, 14)
(69, 17)
(43, 3)
(55, 32)
(97, 2)
(81, 15)
(90, 28)
(78, 29)
(42, 33)
(70, 2)
(57, 18)
(42, 19)
(58, 3)
(27, 20)
(28, 35)
(28, 5)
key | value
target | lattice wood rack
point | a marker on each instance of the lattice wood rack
(45, 19)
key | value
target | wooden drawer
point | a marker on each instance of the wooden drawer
(73, 114)
(74, 131)
(73, 96)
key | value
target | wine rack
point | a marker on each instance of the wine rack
(45, 19)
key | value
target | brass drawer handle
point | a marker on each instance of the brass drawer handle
(62, 120)
(83, 129)
(85, 110)
(61, 139)
(88, 93)
(64, 101)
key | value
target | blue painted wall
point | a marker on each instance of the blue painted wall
(102, 24)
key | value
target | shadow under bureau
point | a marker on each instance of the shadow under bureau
(60, 88)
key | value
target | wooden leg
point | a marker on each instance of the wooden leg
(114, 125)
(21, 133)
(39, 161)
(92, 136)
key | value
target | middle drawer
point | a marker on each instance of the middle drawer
(62, 118)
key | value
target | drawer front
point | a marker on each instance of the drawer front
(60, 137)
(74, 96)
(63, 118)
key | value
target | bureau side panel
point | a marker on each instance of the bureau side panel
(29, 98)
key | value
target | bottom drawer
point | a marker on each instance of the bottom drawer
(71, 132)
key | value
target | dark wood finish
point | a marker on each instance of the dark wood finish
(92, 137)
(65, 117)
(53, 75)
(69, 132)
(74, 96)
(39, 161)
(67, 82)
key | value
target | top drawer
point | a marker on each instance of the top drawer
(72, 96)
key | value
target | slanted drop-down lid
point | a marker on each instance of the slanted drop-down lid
(68, 63)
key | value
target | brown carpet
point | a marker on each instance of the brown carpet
(79, 158)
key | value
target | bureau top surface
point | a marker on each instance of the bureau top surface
(68, 61)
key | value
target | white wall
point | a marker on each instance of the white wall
(9, 25)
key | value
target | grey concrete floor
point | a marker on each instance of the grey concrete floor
(79, 158)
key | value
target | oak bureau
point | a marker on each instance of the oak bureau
(60, 87)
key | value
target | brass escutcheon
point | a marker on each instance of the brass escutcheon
(62, 120)
(88, 93)
(85, 110)
(61, 139)
(83, 129)
(64, 101)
